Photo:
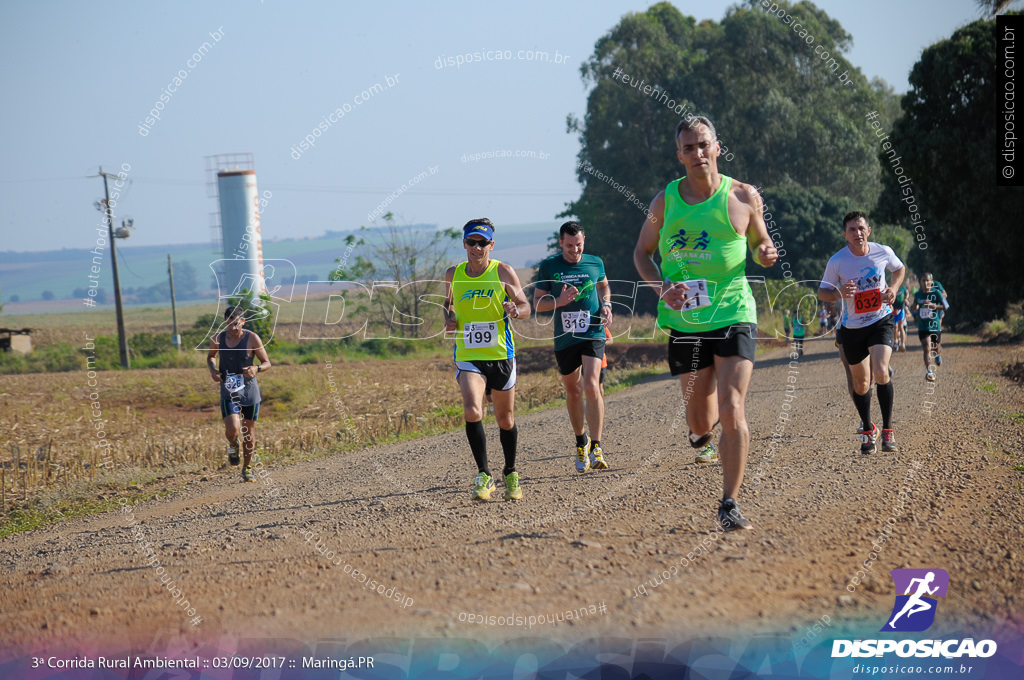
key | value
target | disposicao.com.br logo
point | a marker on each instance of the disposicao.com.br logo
(914, 611)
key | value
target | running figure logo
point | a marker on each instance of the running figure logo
(914, 610)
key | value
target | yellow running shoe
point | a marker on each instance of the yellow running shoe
(513, 491)
(597, 458)
(707, 454)
(484, 485)
(582, 460)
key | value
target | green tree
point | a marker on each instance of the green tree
(409, 263)
(186, 283)
(807, 226)
(780, 110)
(944, 149)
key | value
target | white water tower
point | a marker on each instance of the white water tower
(237, 224)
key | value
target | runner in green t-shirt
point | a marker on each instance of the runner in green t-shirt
(929, 309)
(799, 333)
(575, 287)
(899, 317)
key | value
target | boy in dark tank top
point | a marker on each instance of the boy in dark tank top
(239, 388)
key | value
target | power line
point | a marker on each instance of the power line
(367, 190)
(323, 189)
(41, 179)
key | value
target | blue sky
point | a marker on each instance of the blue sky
(79, 78)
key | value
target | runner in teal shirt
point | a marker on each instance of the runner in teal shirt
(929, 309)
(575, 288)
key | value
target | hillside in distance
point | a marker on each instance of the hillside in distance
(47, 281)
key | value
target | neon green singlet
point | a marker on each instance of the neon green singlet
(477, 301)
(698, 242)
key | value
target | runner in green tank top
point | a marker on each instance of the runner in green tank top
(702, 225)
(483, 294)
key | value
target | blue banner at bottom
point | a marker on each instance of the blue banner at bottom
(608, 658)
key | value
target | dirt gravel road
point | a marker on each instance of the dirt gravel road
(633, 548)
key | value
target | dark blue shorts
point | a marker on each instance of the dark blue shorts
(229, 407)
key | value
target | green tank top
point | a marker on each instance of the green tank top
(698, 244)
(483, 333)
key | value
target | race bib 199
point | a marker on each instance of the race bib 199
(867, 301)
(576, 322)
(480, 334)
(697, 296)
(234, 382)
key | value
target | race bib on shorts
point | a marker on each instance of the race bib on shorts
(926, 313)
(697, 296)
(234, 382)
(480, 334)
(867, 301)
(576, 322)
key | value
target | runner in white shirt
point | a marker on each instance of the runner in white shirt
(856, 275)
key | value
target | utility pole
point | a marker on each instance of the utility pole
(176, 340)
(122, 340)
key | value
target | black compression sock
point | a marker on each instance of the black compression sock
(581, 439)
(595, 443)
(509, 442)
(886, 393)
(478, 445)
(863, 404)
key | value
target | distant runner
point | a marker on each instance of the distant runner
(239, 389)
(575, 287)
(702, 225)
(900, 319)
(945, 307)
(799, 333)
(928, 305)
(483, 294)
(856, 274)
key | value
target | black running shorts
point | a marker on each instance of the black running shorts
(694, 351)
(571, 358)
(857, 342)
(498, 375)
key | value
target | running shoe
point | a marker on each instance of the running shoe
(868, 439)
(938, 359)
(513, 491)
(247, 474)
(597, 458)
(699, 442)
(929, 376)
(888, 441)
(233, 454)
(903, 348)
(582, 460)
(483, 486)
(707, 454)
(730, 517)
